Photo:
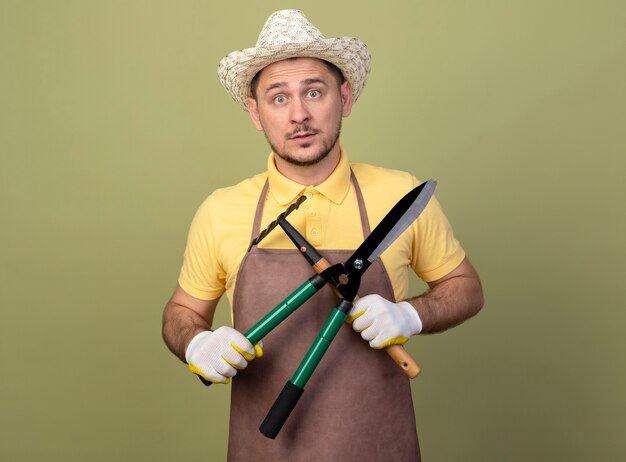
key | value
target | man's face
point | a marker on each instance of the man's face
(299, 106)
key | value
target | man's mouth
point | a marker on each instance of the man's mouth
(303, 132)
(302, 135)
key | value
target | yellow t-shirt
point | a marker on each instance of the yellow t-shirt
(221, 230)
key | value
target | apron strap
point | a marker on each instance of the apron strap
(256, 225)
(365, 224)
(258, 215)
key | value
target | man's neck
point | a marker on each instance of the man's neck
(310, 175)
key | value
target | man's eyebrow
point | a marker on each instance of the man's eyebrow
(314, 80)
(306, 82)
(275, 85)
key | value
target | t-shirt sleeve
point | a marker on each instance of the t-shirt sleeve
(436, 252)
(201, 275)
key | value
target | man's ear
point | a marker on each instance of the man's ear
(253, 110)
(346, 98)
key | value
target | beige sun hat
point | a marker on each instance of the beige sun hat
(289, 34)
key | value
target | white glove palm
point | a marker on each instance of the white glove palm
(218, 355)
(383, 323)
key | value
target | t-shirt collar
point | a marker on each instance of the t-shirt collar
(335, 187)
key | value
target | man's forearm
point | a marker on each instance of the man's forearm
(180, 325)
(449, 303)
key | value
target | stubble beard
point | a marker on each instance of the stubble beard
(326, 148)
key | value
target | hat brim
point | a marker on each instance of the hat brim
(350, 55)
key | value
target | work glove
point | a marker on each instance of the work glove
(383, 323)
(218, 355)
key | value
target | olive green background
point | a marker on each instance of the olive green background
(114, 127)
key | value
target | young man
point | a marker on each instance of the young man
(297, 86)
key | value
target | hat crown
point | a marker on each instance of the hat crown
(288, 26)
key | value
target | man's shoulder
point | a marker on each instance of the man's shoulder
(250, 188)
(236, 198)
(375, 177)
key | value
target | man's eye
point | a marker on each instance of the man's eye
(280, 100)
(314, 93)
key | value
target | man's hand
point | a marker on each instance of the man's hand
(383, 323)
(217, 356)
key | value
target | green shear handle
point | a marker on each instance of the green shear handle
(279, 313)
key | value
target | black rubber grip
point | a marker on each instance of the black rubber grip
(208, 383)
(281, 409)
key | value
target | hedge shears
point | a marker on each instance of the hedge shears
(345, 278)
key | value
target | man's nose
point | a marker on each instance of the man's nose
(299, 111)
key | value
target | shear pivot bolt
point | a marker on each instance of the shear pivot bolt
(358, 263)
